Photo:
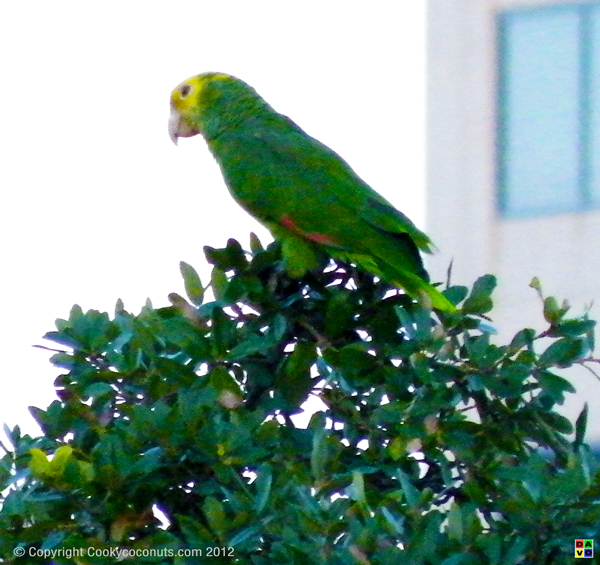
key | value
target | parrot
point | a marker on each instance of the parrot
(301, 190)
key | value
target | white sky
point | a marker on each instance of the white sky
(97, 202)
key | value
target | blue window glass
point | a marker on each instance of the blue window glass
(539, 111)
(593, 104)
(549, 109)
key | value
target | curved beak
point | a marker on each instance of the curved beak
(178, 127)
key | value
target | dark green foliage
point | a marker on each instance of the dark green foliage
(434, 444)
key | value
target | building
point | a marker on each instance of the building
(514, 156)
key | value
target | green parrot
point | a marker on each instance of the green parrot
(302, 191)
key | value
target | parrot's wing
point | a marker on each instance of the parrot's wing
(330, 174)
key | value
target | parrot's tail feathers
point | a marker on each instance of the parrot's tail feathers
(423, 290)
(414, 285)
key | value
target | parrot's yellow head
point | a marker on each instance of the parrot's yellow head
(187, 103)
(207, 102)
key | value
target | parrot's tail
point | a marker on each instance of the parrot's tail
(411, 283)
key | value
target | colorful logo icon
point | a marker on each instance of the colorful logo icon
(584, 548)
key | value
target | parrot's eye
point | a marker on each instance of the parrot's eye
(185, 90)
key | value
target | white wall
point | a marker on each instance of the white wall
(563, 251)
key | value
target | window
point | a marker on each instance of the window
(549, 110)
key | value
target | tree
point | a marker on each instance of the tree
(433, 444)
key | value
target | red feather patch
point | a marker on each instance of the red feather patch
(288, 223)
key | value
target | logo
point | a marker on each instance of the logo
(584, 548)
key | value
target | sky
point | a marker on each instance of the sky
(98, 204)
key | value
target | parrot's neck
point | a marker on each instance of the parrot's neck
(244, 114)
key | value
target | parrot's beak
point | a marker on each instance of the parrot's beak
(178, 127)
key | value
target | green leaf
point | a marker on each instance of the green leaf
(215, 515)
(264, 480)
(119, 307)
(192, 283)
(63, 339)
(357, 492)
(456, 293)
(395, 522)
(338, 314)
(508, 382)
(222, 329)
(194, 532)
(231, 257)
(516, 551)
(492, 546)
(223, 381)
(39, 463)
(425, 541)
(557, 422)
(562, 353)
(353, 358)
(552, 310)
(319, 454)
(254, 344)
(255, 244)
(480, 301)
(411, 494)
(455, 523)
(59, 462)
(97, 390)
(554, 385)
(536, 285)
(581, 426)
(148, 461)
(573, 328)
(523, 338)
(278, 328)
(456, 559)
(219, 283)
(53, 540)
(295, 381)
(245, 534)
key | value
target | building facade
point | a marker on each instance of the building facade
(513, 156)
